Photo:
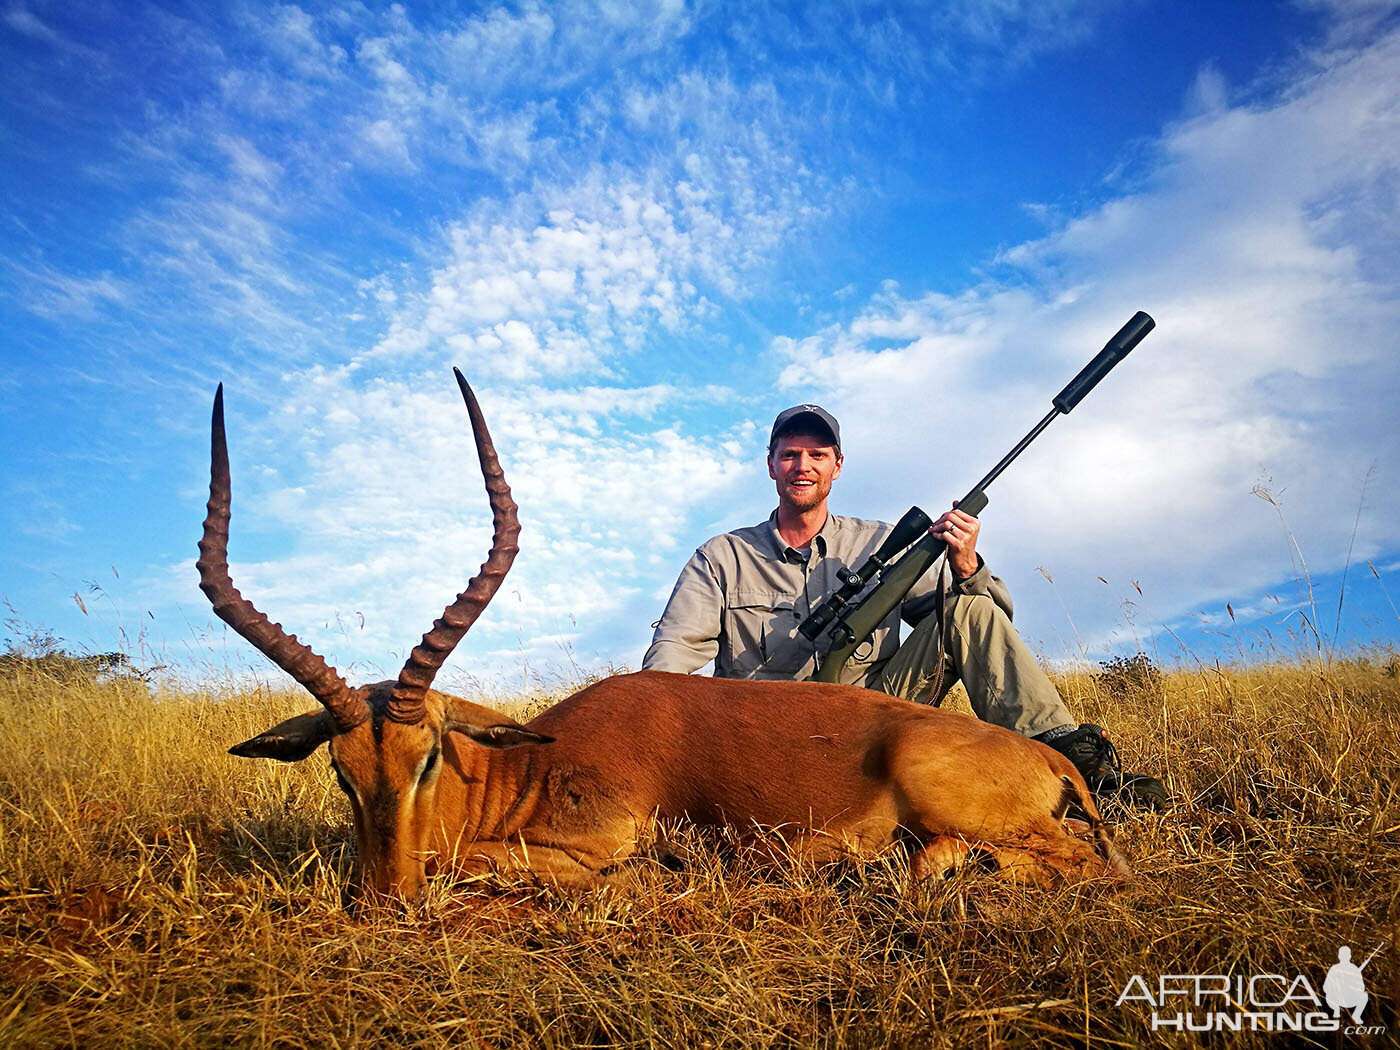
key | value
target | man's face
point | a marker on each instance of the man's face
(804, 466)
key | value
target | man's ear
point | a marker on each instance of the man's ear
(289, 741)
(466, 719)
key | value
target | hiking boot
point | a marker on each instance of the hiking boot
(1094, 755)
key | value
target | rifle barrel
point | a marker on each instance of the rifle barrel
(1007, 459)
(1371, 956)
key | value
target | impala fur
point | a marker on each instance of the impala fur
(438, 783)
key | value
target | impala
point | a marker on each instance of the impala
(437, 783)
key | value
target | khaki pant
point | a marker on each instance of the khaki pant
(1005, 684)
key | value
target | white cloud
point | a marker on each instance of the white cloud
(958, 42)
(389, 141)
(24, 21)
(565, 286)
(292, 34)
(1257, 242)
(54, 294)
(247, 163)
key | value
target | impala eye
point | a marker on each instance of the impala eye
(340, 779)
(430, 766)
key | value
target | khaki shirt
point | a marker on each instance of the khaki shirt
(739, 599)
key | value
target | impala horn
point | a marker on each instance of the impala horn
(406, 701)
(310, 670)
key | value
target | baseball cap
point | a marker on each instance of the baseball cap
(800, 417)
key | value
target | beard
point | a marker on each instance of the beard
(805, 497)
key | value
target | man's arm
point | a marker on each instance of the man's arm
(687, 636)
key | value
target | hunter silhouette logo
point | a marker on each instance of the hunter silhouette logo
(1344, 986)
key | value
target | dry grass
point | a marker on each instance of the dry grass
(155, 892)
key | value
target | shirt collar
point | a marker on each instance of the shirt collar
(822, 540)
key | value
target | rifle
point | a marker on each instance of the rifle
(1371, 956)
(910, 548)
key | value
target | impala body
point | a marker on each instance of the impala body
(437, 783)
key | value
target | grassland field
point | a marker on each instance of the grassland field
(155, 892)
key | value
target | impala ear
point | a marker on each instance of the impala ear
(488, 728)
(289, 741)
(501, 736)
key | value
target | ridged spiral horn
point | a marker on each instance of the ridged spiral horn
(406, 701)
(310, 670)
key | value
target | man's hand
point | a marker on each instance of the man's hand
(959, 531)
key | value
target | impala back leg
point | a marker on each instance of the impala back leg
(940, 858)
(1075, 798)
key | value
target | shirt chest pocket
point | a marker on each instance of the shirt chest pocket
(761, 634)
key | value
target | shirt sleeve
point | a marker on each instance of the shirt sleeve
(687, 635)
(983, 582)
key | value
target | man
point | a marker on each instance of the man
(740, 598)
(1345, 987)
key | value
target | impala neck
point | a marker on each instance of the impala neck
(495, 792)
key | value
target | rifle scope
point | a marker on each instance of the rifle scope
(908, 529)
(855, 619)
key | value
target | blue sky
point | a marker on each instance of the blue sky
(642, 229)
